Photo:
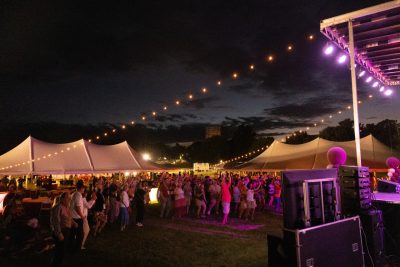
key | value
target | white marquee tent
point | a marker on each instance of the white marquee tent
(313, 155)
(33, 156)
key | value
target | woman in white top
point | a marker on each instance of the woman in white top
(124, 200)
(180, 201)
(86, 206)
(251, 203)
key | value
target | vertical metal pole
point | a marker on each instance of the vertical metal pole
(306, 202)
(354, 92)
(321, 192)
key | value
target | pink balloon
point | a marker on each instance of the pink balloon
(336, 156)
(392, 162)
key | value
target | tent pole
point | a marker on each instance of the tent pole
(354, 93)
(31, 154)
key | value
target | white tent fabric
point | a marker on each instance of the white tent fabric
(33, 156)
(313, 155)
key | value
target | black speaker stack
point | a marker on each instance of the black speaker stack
(356, 200)
(355, 190)
(355, 238)
(372, 223)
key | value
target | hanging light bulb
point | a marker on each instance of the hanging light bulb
(328, 49)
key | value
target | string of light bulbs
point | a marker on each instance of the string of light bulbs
(235, 75)
(316, 124)
(270, 58)
(178, 101)
(42, 157)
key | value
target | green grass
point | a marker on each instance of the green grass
(178, 242)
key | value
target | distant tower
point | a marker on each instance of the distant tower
(213, 131)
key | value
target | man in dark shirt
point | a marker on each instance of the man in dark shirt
(99, 209)
(139, 202)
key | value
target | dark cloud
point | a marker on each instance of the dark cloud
(201, 103)
(308, 108)
(372, 118)
(262, 123)
(76, 61)
(173, 118)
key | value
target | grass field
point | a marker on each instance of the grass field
(173, 242)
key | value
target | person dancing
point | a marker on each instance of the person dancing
(226, 197)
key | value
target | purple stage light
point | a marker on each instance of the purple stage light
(369, 79)
(361, 74)
(328, 50)
(375, 84)
(342, 59)
(382, 89)
(388, 92)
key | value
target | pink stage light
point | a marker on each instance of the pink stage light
(382, 89)
(369, 79)
(342, 59)
(388, 92)
(328, 50)
(375, 84)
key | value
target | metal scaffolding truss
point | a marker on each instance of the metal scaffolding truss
(371, 37)
(376, 33)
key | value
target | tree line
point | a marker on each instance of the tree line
(165, 141)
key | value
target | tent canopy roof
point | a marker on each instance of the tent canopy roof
(38, 157)
(313, 155)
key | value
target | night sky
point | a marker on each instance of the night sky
(89, 62)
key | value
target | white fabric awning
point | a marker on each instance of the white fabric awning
(313, 155)
(33, 156)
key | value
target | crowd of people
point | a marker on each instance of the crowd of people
(186, 195)
(91, 208)
(97, 202)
